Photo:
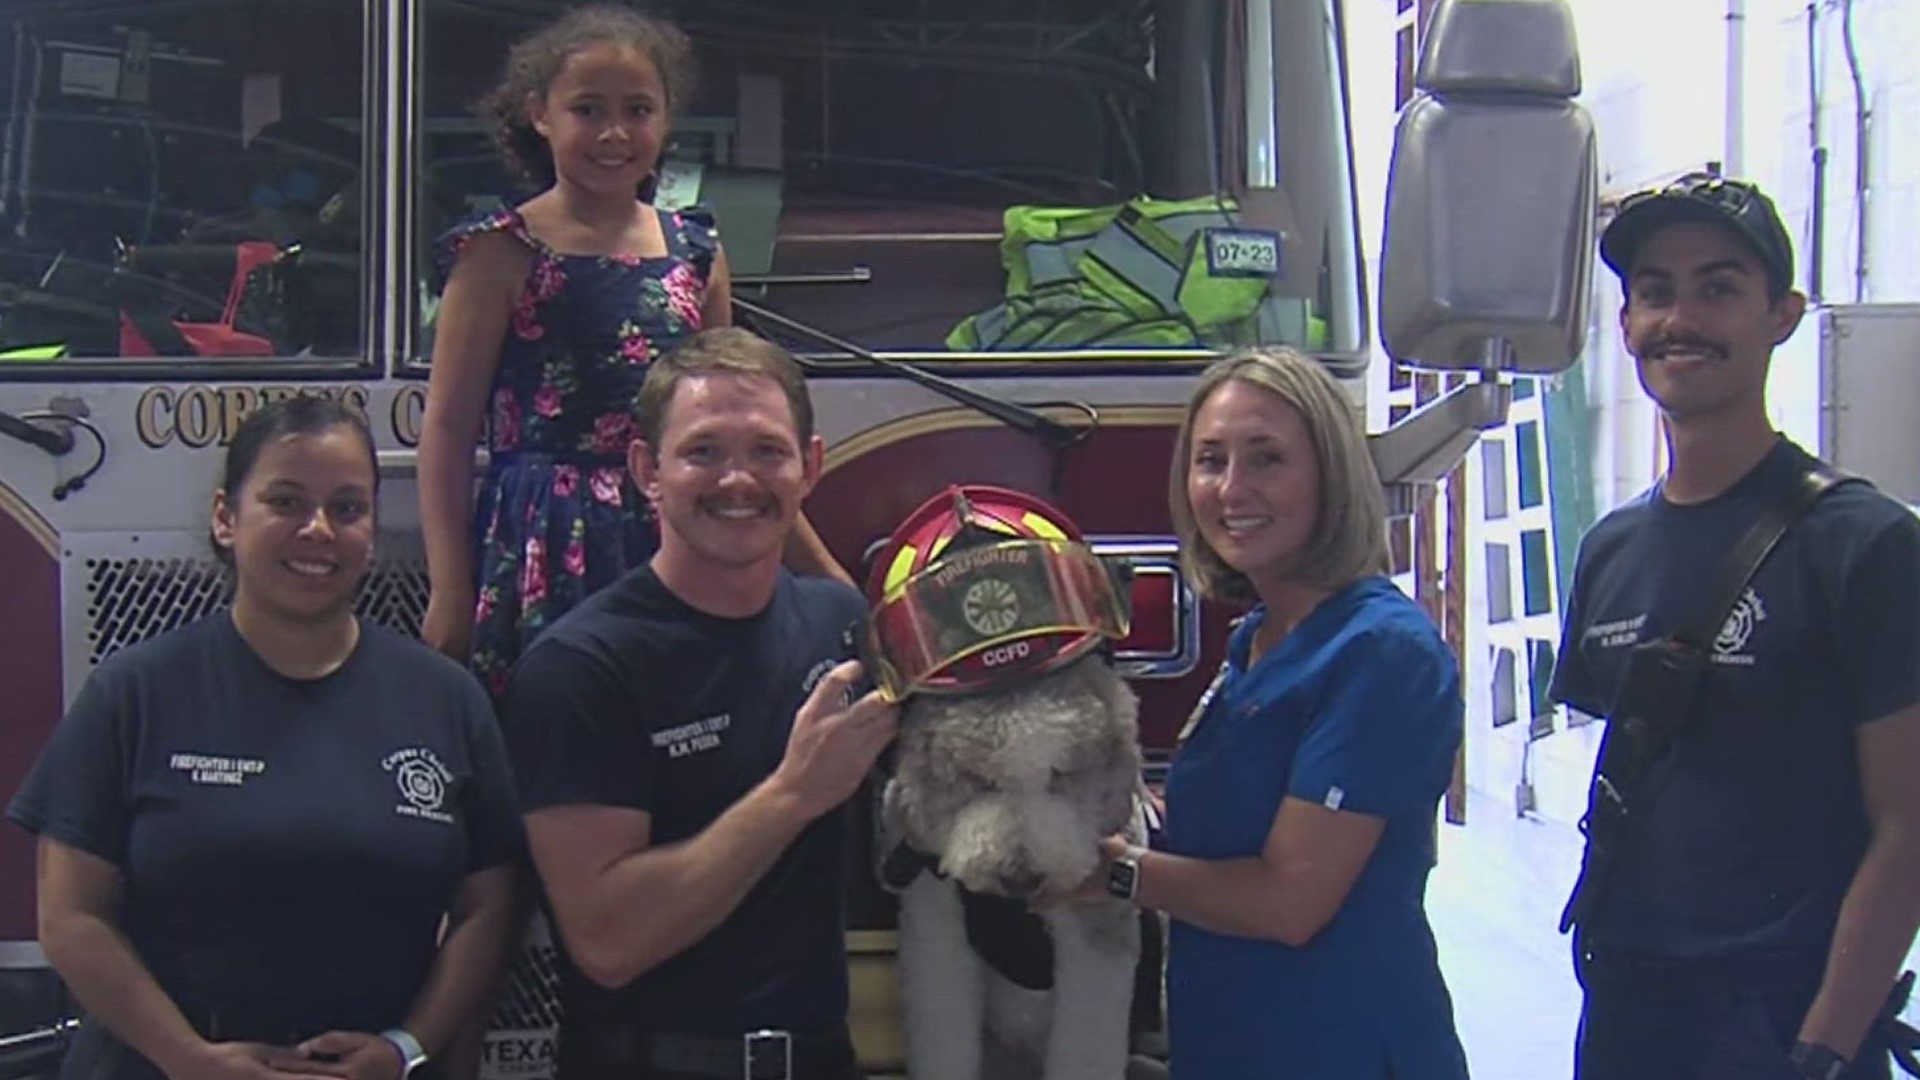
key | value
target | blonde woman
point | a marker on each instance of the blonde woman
(1301, 803)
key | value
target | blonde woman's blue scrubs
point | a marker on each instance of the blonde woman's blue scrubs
(1358, 709)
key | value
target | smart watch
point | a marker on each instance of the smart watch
(1123, 874)
(1816, 1062)
(411, 1052)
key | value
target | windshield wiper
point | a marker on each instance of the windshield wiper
(1053, 434)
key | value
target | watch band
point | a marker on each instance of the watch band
(411, 1052)
(1123, 874)
(1816, 1062)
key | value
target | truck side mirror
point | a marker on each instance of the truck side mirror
(1489, 225)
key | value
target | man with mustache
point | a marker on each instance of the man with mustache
(1763, 883)
(685, 742)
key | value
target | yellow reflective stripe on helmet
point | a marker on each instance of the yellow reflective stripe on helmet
(902, 567)
(1041, 526)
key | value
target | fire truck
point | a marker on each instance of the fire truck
(1003, 235)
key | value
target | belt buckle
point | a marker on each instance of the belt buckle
(767, 1055)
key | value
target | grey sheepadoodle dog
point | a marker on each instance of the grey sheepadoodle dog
(1007, 793)
(1013, 787)
(1018, 753)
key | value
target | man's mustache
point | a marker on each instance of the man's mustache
(1660, 348)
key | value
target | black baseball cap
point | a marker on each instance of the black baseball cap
(1701, 197)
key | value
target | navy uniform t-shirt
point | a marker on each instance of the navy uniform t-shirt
(1749, 832)
(289, 847)
(636, 699)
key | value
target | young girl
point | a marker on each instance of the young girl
(551, 312)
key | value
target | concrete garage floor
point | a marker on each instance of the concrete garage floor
(1494, 901)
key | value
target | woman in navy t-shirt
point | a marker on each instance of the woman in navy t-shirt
(253, 828)
(1301, 804)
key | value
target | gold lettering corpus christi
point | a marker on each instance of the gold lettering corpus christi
(201, 416)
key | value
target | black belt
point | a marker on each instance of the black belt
(754, 1055)
(1746, 968)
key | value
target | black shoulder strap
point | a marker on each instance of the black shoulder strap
(1790, 495)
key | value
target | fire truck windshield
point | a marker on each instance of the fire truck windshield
(201, 182)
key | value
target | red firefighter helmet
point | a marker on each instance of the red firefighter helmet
(981, 585)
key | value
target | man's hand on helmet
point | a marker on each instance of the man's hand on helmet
(834, 742)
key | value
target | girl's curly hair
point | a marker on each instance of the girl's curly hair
(535, 61)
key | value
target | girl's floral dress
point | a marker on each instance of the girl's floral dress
(557, 517)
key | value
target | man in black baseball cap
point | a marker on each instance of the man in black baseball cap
(1747, 895)
(1707, 269)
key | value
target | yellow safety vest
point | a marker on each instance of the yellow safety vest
(1142, 273)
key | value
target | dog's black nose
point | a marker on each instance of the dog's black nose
(1021, 882)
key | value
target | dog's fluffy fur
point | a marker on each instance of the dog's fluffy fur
(1009, 792)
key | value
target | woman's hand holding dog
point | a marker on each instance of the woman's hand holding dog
(834, 742)
(1093, 887)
